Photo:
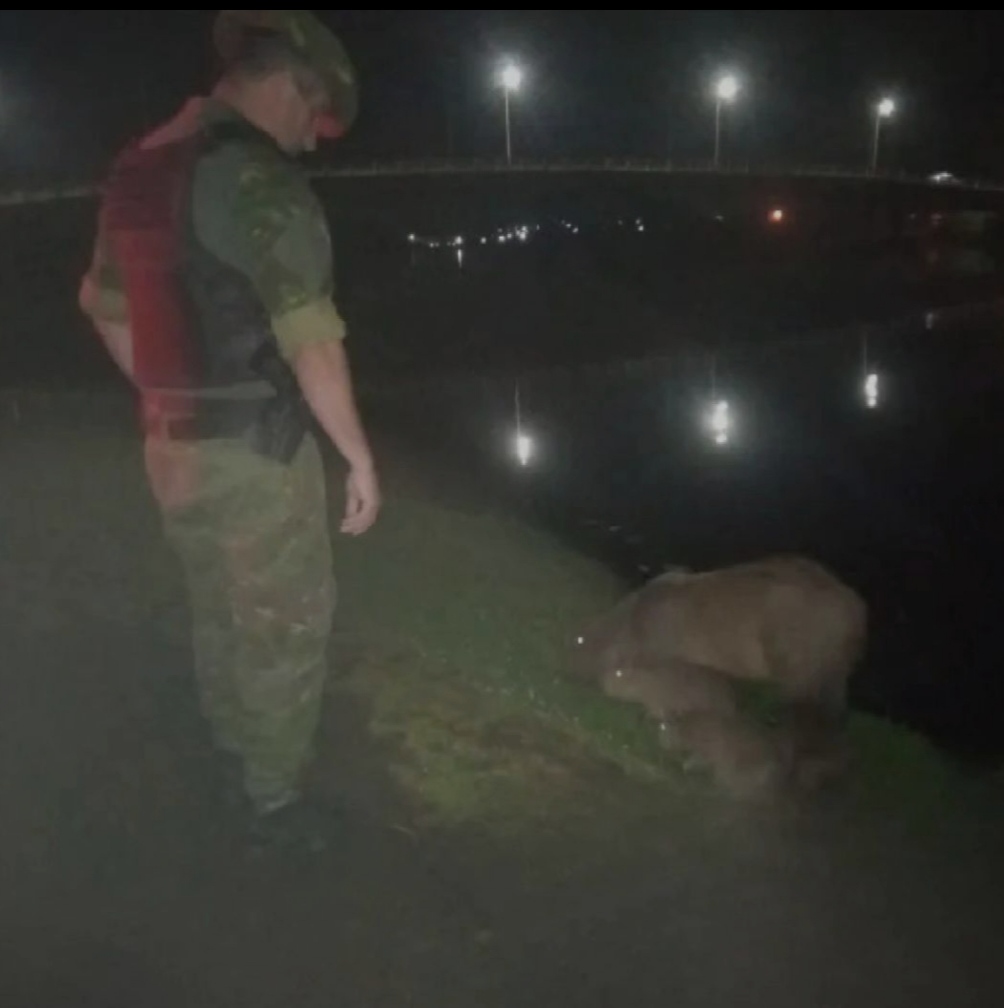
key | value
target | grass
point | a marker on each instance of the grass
(468, 620)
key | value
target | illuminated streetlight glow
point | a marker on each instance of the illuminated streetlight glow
(885, 109)
(726, 91)
(777, 216)
(511, 78)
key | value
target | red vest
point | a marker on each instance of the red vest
(197, 322)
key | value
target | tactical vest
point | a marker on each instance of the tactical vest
(198, 326)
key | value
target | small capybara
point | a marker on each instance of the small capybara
(785, 620)
(744, 759)
(673, 690)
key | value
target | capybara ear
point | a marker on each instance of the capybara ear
(605, 642)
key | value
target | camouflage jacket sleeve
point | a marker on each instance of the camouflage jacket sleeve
(259, 214)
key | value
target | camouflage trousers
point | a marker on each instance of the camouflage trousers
(255, 547)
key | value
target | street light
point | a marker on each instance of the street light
(511, 79)
(885, 109)
(726, 91)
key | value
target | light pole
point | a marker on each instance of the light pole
(885, 109)
(511, 79)
(726, 92)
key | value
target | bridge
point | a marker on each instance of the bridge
(943, 194)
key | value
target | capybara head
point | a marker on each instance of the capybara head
(600, 646)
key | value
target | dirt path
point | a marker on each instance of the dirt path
(126, 882)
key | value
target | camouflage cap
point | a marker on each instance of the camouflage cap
(320, 48)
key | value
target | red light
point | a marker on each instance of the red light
(777, 216)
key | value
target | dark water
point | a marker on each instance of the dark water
(903, 501)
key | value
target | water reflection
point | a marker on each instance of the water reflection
(720, 422)
(872, 390)
(525, 449)
(904, 504)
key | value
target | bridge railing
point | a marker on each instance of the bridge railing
(406, 168)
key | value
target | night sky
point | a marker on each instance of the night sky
(74, 85)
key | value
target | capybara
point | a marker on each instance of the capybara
(785, 620)
(673, 690)
(743, 759)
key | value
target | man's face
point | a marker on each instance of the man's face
(300, 103)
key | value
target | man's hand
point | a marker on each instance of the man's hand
(114, 332)
(322, 370)
(363, 502)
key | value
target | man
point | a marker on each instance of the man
(211, 287)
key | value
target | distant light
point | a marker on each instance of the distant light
(458, 242)
(873, 391)
(886, 108)
(727, 89)
(511, 77)
(777, 216)
(412, 238)
(484, 241)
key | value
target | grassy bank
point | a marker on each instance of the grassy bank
(466, 621)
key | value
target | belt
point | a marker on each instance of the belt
(216, 420)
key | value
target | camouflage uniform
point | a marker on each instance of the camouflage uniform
(252, 533)
(255, 549)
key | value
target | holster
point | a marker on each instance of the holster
(281, 422)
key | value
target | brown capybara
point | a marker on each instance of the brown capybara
(784, 620)
(744, 759)
(674, 690)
